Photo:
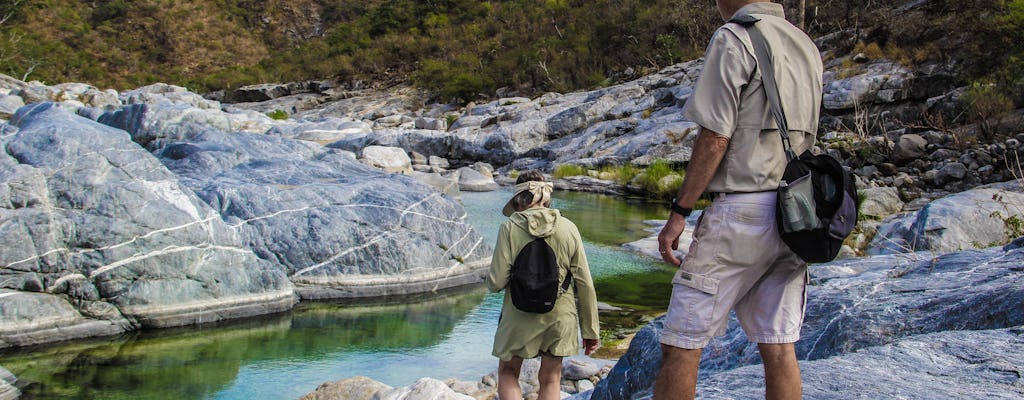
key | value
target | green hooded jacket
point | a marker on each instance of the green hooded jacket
(523, 334)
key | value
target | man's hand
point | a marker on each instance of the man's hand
(708, 151)
(590, 345)
(668, 239)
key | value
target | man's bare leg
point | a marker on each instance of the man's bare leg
(677, 378)
(781, 371)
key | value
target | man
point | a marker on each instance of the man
(737, 260)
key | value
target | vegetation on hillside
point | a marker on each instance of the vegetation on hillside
(461, 49)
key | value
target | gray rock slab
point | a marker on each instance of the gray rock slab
(338, 228)
(860, 303)
(35, 318)
(89, 214)
(948, 365)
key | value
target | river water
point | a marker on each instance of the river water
(286, 356)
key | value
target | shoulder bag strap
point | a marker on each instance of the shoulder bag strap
(771, 89)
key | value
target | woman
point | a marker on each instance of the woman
(554, 334)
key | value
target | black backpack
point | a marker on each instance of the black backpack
(534, 282)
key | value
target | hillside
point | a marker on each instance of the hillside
(462, 49)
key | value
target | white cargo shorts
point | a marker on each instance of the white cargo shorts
(737, 261)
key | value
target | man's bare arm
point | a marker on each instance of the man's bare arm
(708, 151)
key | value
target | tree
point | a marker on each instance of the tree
(7, 9)
(9, 41)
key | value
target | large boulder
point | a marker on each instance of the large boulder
(910, 147)
(355, 388)
(880, 202)
(338, 228)
(9, 104)
(389, 159)
(976, 218)
(257, 93)
(856, 304)
(92, 216)
(473, 180)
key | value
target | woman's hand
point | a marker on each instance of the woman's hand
(590, 345)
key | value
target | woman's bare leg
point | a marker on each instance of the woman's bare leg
(508, 379)
(550, 377)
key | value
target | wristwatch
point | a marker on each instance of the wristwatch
(678, 209)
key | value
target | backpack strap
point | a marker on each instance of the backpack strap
(566, 282)
(763, 55)
(568, 275)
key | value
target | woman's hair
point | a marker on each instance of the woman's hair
(524, 199)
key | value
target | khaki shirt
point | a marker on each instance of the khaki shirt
(729, 99)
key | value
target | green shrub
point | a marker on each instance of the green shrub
(621, 174)
(278, 114)
(565, 170)
(985, 103)
(661, 180)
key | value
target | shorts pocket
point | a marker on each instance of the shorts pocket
(702, 283)
(745, 237)
(693, 304)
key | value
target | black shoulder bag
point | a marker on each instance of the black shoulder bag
(817, 198)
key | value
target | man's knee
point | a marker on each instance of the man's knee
(672, 354)
(775, 352)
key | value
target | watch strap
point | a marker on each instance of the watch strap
(678, 209)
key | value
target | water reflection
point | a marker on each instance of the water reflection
(608, 220)
(197, 363)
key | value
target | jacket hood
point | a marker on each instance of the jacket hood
(539, 222)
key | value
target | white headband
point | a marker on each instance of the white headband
(541, 192)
